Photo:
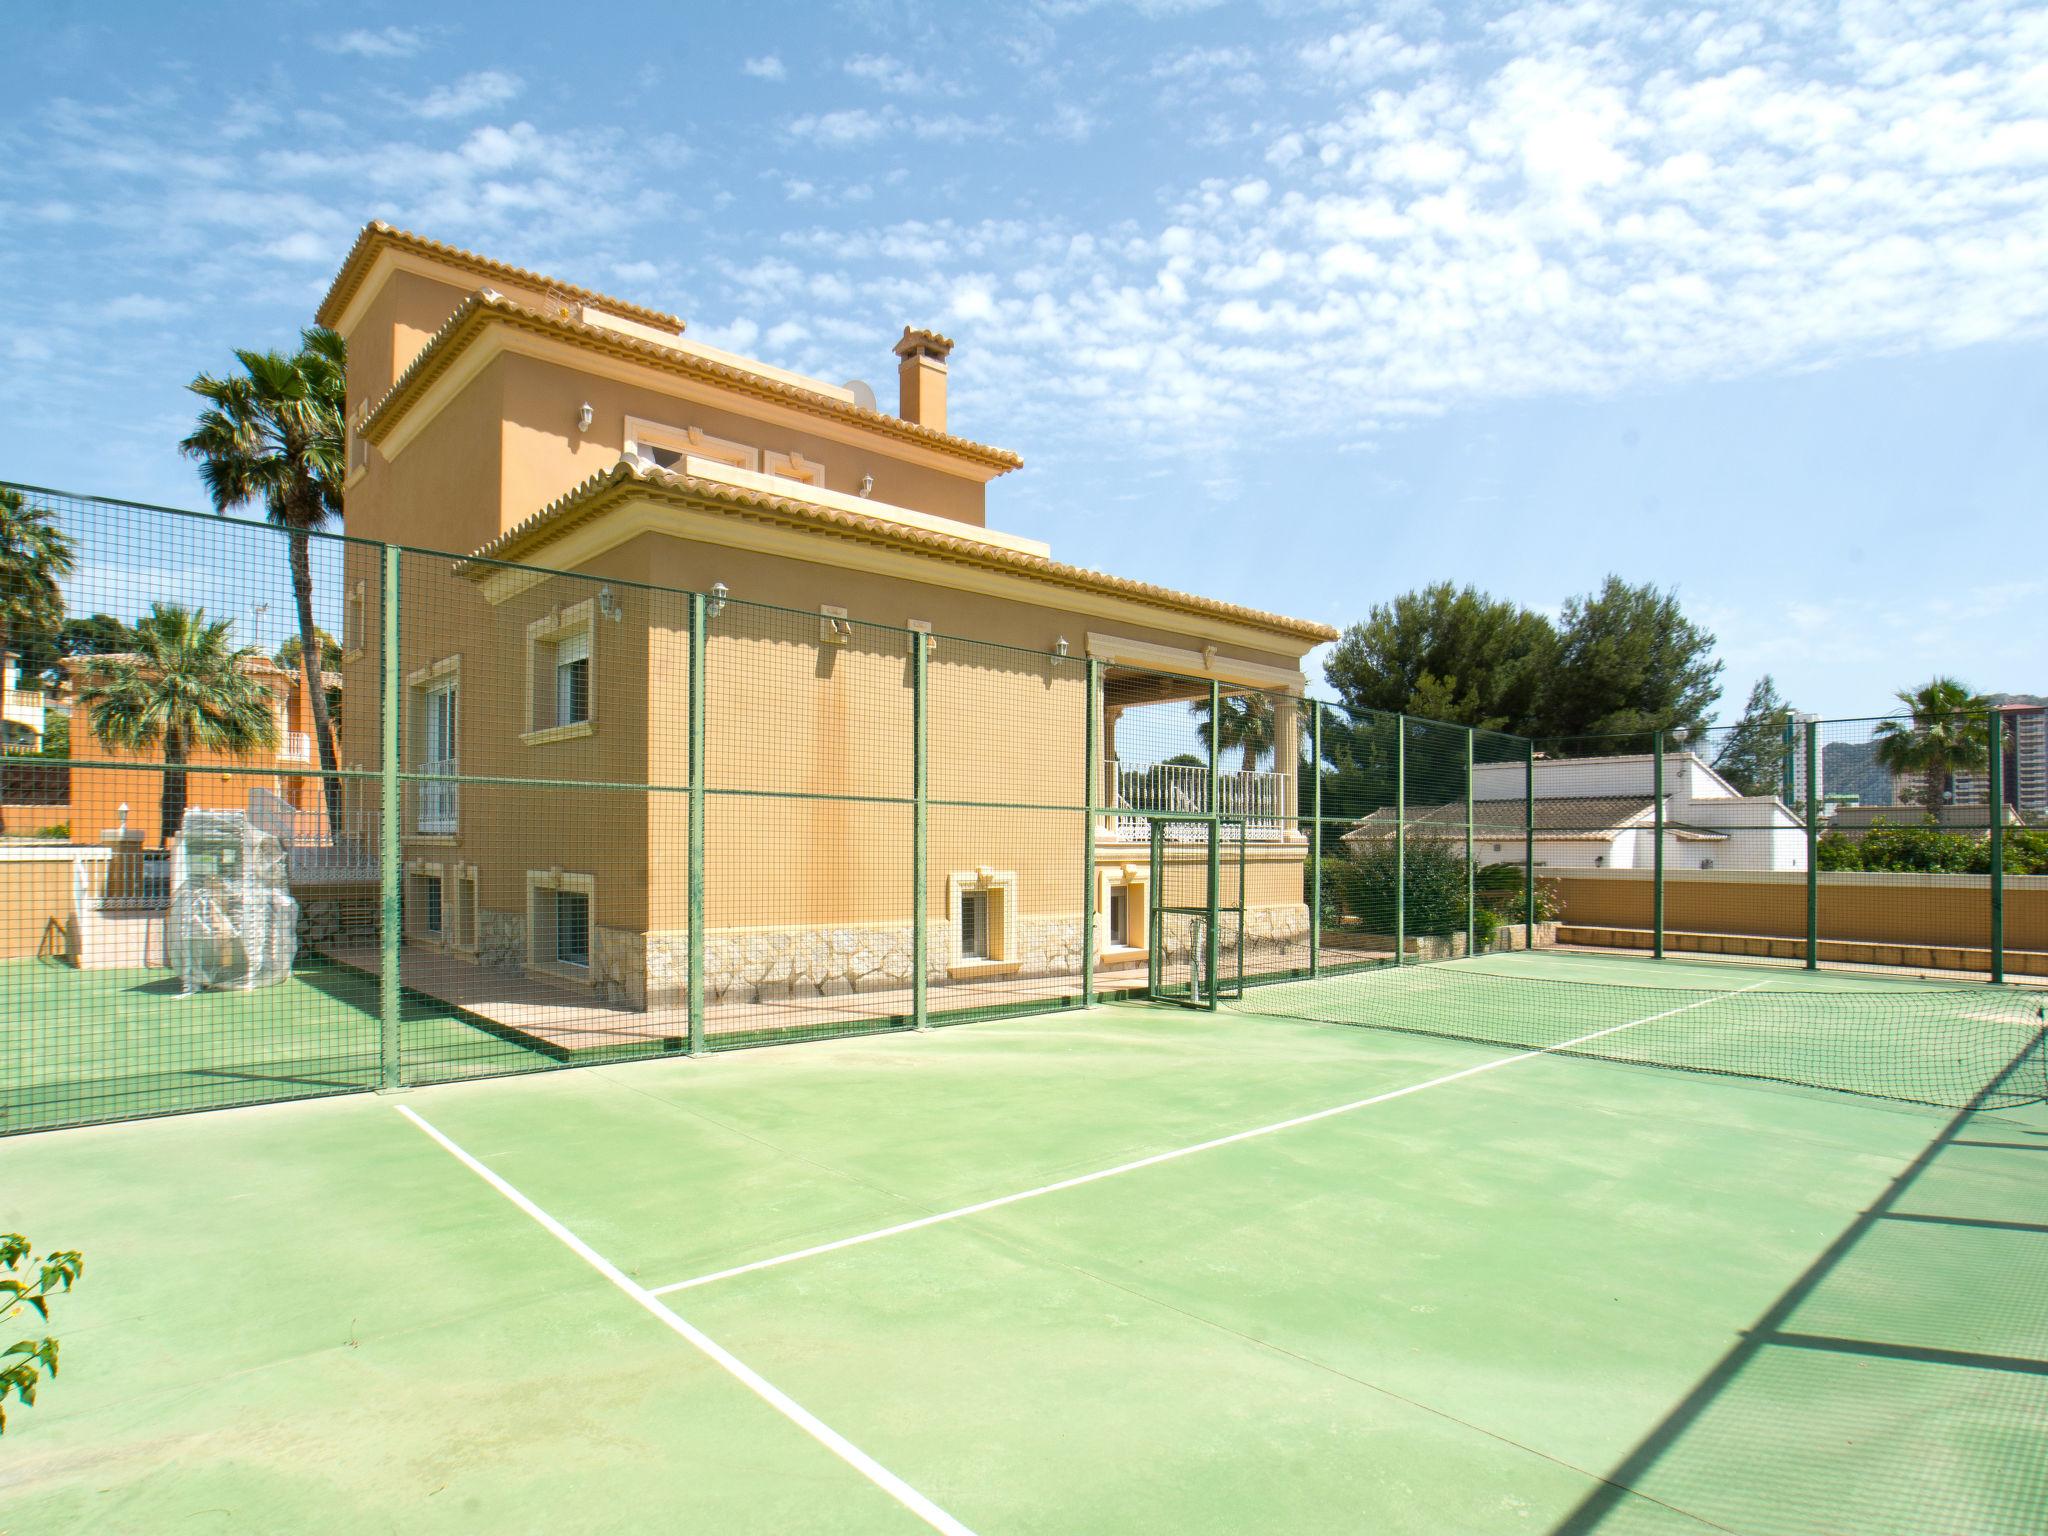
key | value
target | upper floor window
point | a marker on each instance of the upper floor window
(560, 658)
(793, 466)
(668, 446)
(435, 734)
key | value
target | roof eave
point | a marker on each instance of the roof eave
(474, 314)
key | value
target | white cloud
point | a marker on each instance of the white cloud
(473, 93)
(1369, 52)
(854, 125)
(889, 74)
(386, 43)
(767, 67)
(303, 246)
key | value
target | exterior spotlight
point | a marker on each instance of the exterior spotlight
(584, 417)
(715, 604)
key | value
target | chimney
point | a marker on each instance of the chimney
(921, 378)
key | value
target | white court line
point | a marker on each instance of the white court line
(760, 1386)
(1201, 1146)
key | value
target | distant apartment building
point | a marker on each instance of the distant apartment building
(2025, 763)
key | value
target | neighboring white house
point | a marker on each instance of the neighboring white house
(23, 711)
(1600, 813)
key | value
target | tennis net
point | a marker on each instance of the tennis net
(1955, 1047)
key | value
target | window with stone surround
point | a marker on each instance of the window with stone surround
(666, 447)
(560, 656)
(560, 927)
(982, 906)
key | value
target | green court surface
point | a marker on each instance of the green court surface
(1033, 1276)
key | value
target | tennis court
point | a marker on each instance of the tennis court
(1423, 1249)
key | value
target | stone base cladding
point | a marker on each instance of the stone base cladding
(772, 965)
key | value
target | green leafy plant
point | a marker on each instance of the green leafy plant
(1430, 877)
(27, 1283)
(57, 833)
(1925, 849)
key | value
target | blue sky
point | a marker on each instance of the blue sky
(1296, 304)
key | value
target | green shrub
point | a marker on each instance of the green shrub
(61, 832)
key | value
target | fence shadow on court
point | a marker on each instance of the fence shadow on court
(1916, 1344)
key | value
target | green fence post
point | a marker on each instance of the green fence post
(1214, 947)
(1813, 845)
(1315, 840)
(1471, 882)
(1090, 768)
(391, 811)
(920, 823)
(698, 729)
(1529, 846)
(1996, 778)
(1400, 838)
(1791, 758)
(1657, 852)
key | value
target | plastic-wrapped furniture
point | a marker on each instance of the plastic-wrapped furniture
(233, 924)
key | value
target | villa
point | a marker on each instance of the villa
(592, 465)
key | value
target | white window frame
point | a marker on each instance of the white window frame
(641, 435)
(438, 810)
(545, 885)
(543, 637)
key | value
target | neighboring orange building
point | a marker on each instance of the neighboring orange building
(524, 421)
(287, 770)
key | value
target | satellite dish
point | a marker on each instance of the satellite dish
(863, 393)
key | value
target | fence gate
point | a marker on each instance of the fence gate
(1195, 920)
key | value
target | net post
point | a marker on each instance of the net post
(1212, 948)
(1529, 845)
(1471, 881)
(698, 723)
(1813, 845)
(1315, 840)
(1089, 770)
(920, 827)
(1212, 952)
(1155, 902)
(1400, 838)
(1995, 779)
(1657, 848)
(391, 811)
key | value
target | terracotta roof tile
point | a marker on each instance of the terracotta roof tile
(599, 493)
(480, 309)
(377, 234)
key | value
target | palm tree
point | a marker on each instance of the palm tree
(185, 687)
(274, 434)
(35, 555)
(1247, 724)
(1948, 734)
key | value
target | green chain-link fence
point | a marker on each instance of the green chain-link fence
(520, 818)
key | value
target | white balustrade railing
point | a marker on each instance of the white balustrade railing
(317, 853)
(1262, 802)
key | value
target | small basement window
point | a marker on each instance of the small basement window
(976, 931)
(572, 928)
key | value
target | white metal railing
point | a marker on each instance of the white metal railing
(1264, 801)
(296, 747)
(438, 802)
(316, 854)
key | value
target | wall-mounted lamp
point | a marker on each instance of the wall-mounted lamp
(714, 605)
(1681, 733)
(585, 417)
(867, 485)
(1059, 650)
(608, 605)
